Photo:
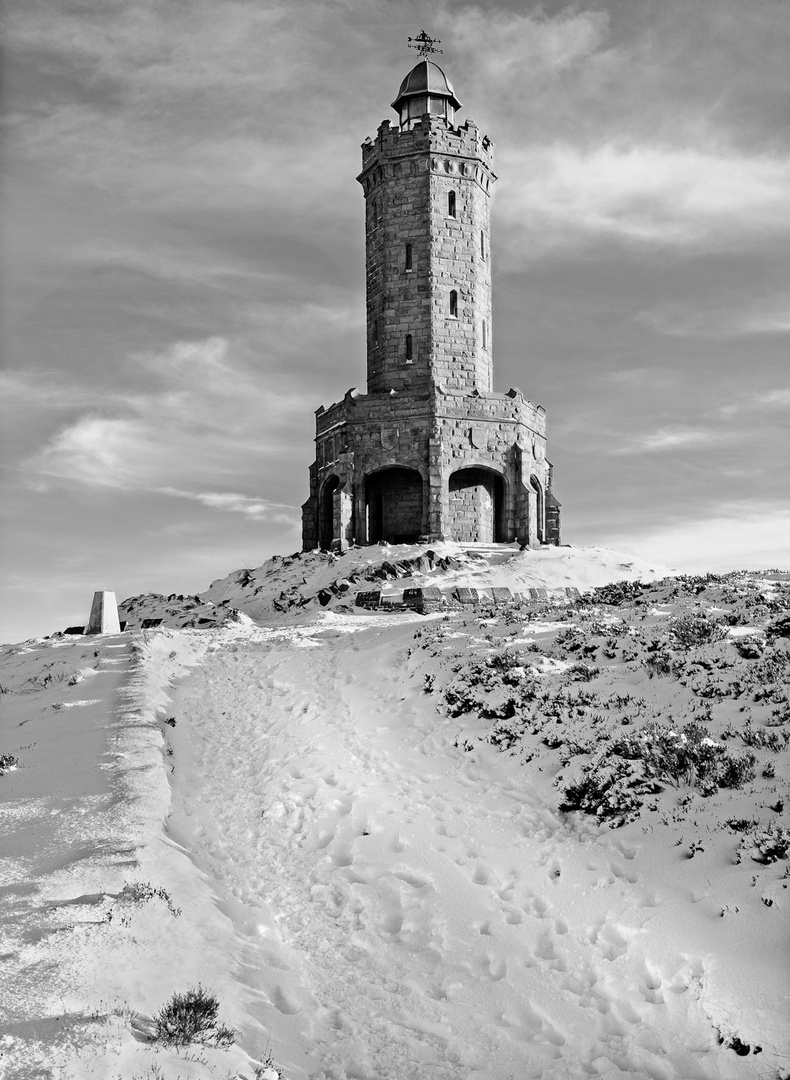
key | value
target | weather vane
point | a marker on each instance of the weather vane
(424, 44)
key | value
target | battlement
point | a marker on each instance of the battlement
(431, 137)
(493, 407)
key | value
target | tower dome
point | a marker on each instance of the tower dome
(426, 89)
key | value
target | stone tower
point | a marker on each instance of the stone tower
(430, 452)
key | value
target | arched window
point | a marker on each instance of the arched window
(408, 257)
(409, 349)
(453, 304)
(451, 204)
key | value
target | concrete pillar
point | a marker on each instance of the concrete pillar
(104, 615)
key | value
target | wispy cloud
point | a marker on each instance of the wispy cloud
(764, 316)
(210, 416)
(778, 399)
(254, 508)
(735, 536)
(769, 401)
(567, 196)
(667, 439)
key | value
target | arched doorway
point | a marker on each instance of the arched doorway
(393, 506)
(326, 512)
(476, 504)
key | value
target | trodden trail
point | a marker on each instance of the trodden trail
(404, 909)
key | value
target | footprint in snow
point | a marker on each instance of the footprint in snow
(620, 871)
(284, 1001)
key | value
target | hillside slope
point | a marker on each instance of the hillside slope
(546, 841)
(304, 582)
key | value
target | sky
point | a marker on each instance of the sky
(183, 271)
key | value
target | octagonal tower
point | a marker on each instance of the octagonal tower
(430, 451)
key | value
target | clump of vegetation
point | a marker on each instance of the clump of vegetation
(779, 628)
(766, 738)
(267, 1070)
(688, 757)
(770, 844)
(7, 763)
(191, 1017)
(138, 893)
(604, 794)
(618, 592)
(583, 672)
(690, 631)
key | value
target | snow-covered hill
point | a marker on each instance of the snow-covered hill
(306, 581)
(546, 841)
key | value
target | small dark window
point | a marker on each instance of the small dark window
(482, 245)
(408, 257)
(453, 304)
(485, 333)
(409, 349)
(451, 204)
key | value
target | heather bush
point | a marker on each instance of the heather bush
(689, 757)
(690, 631)
(766, 738)
(191, 1017)
(615, 593)
(583, 672)
(602, 793)
(770, 845)
(7, 763)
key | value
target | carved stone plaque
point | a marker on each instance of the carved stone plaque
(478, 436)
(390, 437)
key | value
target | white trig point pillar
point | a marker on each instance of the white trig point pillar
(104, 615)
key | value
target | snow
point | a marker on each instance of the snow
(372, 888)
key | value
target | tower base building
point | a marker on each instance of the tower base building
(430, 452)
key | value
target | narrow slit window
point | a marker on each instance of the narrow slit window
(482, 245)
(451, 204)
(375, 331)
(485, 334)
(409, 349)
(409, 257)
(453, 304)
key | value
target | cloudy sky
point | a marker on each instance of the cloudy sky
(184, 278)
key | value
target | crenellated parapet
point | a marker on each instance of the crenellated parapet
(463, 152)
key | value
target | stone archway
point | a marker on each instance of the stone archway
(394, 505)
(326, 512)
(476, 506)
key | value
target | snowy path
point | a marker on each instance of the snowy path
(388, 931)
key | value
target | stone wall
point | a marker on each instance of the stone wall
(472, 509)
(427, 195)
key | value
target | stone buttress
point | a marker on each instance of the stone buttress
(430, 452)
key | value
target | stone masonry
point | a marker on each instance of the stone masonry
(430, 452)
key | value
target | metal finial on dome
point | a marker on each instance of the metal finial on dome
(424, 44)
